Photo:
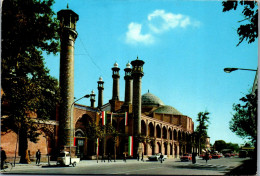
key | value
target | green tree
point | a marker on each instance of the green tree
(219, 145)
(201, 129)
(232, 146)
(248, 30)
(28, 29)
(244, 121)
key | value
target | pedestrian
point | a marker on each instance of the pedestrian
(3, 158)
(124, 156)
(142, 159)
(109, 158)
(161, 157)
(207, 157)
(38, 157)
(194, 157)
(103, 158)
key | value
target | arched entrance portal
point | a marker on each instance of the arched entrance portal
(79, 142)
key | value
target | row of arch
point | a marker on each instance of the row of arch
(168, 139)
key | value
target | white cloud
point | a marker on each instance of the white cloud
(134, 35)
(160, 21)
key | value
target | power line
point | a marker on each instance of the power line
(92, 60)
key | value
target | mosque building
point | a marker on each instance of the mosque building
(144, 124)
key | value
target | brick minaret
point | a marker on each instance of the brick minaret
(128, 84)
(115, 77)
(137, 74)
(100, 92)
(68, 35)
(92, 99)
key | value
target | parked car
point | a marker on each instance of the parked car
(64, 159)
(216, 156)
(186, 157)
(227, 155)
(232, 154)
(156, 157)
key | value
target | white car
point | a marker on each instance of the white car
(65, 160)
(156, 157)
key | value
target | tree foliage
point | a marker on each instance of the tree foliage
(249, 29)
(201, 129)
(28, 29)
(219, 145)
(203, 120)
(244, 121)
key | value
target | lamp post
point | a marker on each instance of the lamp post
(71, 116)
(228, 70)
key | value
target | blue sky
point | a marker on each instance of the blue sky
(185, 46)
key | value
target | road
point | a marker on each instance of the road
(133, 167)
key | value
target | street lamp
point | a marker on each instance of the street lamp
(71, 115)
(228, 70)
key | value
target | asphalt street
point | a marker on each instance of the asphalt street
(132, 167)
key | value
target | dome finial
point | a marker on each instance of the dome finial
(67, 5)
(137, 57)
(115, 64)
(148, 90)
(128, 65)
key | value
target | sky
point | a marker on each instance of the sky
(185, 46)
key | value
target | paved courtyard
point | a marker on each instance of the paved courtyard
(133, 167)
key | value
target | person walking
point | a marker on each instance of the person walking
(38, 157)
(161, 157)
(124, 156)
(194, 157)
(142, 159)
(207, 157)
(109, 158)
(103, 158)
(3, 158)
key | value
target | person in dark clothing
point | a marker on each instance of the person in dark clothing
(109, 158)
(103, 158)
(207, 157)
(161, 157)
(194, 157)
(3, 158)
(142, 159)
(124, 156)
(38, 156)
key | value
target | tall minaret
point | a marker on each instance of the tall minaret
(137, 74)
(100, 92)
(128, 84)
(68, 35)
(115, 77)
(92, 99)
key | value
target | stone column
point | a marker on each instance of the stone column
(178, 150)
(68, 35)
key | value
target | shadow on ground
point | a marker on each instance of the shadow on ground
(249, 167)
